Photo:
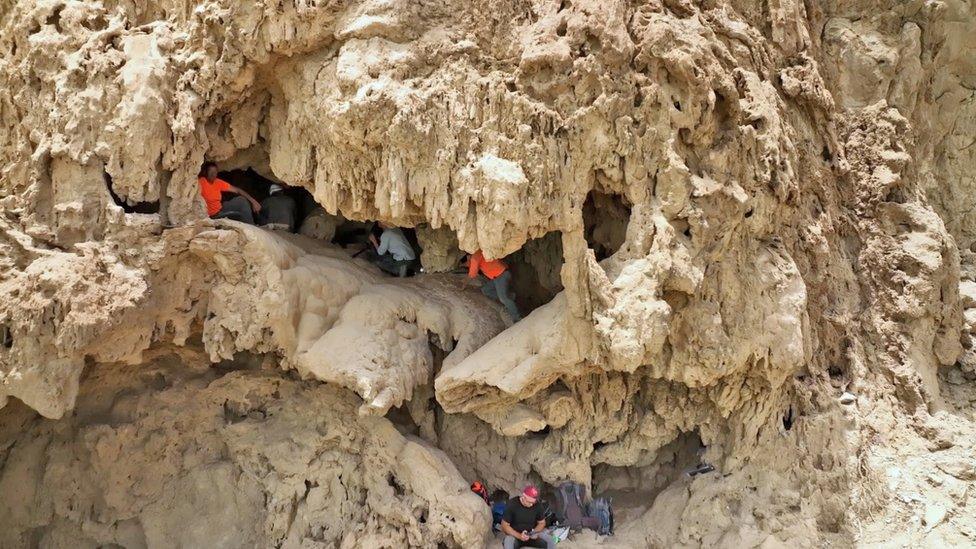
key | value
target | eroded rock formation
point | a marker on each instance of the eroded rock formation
(747, 209)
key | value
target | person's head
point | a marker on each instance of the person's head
(529, 495)
(210, 170)
(383, 225)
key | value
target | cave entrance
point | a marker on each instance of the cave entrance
(605, 220)
(536, 269)
(357, 238)
(637, 485)
(291, 206)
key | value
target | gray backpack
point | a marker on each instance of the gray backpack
(602, 510)
(569, 507)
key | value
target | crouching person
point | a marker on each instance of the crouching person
(524, 522)
(279, 210)
(394, 254)
(498, 284)
(239, 208)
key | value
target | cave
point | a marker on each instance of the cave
(354, 235)
(258, 186)
(148, 207)
(605, 219)
(640, 484)
(536, 268)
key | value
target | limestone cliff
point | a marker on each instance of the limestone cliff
(726, 214)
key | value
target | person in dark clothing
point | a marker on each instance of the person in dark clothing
(524, 522)
(279, 210)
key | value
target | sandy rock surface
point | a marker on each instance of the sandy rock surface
(742, 233)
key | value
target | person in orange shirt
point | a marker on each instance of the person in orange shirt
(236, 208)
(498, 285)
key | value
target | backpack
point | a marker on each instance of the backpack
(602, 510)
(499, 501)
(480, 489)
(497, 512)
(569, 508)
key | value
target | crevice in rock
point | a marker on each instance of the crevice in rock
(6, 337)
(640, 484)
(605, 220)
(536, 271)
(127, 207)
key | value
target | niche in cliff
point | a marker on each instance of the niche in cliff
(640, 484)
(127, 205)
(309, 217)
(605, 219)
(536, 271)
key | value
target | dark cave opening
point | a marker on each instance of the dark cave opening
(605, 220)
(536, 271)
(639, 484)
(6, 337)
(129, 207)
(788, 419)
(260, 187)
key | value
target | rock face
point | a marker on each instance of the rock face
(748, 209)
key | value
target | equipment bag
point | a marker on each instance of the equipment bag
(569, 507)
(602, 510)
(497, 512)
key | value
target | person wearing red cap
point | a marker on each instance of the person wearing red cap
(524, 522)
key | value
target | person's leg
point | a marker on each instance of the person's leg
(387, 264)
(279, 209)
(237, 208)
(506, 295)
(510, 543)
(547, 540)
(488, 288)
(402, 267)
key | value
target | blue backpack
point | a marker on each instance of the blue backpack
(497, 511)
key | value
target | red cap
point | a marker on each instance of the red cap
(531, 491)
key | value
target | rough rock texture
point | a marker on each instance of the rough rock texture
(180, 456)
(747, 209)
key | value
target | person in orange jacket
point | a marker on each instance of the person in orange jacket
(499, 281)
(212, 188)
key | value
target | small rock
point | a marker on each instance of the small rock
(847, 399)
(909, 497)
(954, 377)
(967, 293)
(958, 466)
(967, 362)
(934, 514)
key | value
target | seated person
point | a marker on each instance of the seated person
(237, 208)
(394, 254)
(279, 210)
(524, 522)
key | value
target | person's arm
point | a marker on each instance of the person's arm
(539, 526)
(472, 266)
(384, 243)
(508, 530)
(254, 203)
